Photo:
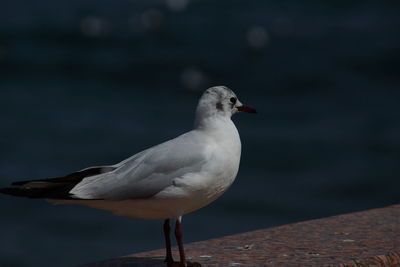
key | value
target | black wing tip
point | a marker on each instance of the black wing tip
(34, 193)
(74, 177)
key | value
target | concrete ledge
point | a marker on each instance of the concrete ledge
(368, 238)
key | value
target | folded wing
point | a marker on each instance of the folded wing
(147, 173)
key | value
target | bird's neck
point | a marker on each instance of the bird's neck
(218, 127)
(209, 117)
(213, 122)
(223, 132)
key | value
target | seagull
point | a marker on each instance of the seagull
(163, 182)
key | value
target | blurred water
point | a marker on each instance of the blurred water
(92, 82)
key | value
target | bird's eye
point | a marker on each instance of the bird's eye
(233, 100)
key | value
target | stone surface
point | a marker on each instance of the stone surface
(368, 238)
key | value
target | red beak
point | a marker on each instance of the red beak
(246, 108)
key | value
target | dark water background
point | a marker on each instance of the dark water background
(92, 82)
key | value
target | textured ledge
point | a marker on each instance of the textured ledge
(368, 238)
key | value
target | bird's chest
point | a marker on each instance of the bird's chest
(222, 167)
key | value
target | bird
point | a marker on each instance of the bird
(163, 182)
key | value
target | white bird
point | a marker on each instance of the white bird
(163, 182)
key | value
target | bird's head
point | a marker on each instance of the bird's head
(220, 101)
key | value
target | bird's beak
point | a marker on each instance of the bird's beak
(246, 108)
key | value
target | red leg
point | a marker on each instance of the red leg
(178, 235)
(168, 258)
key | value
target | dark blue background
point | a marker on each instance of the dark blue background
(92, 82)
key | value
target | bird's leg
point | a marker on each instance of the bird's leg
(168, 258)
(178, 236)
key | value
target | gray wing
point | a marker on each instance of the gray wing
(148, 172)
